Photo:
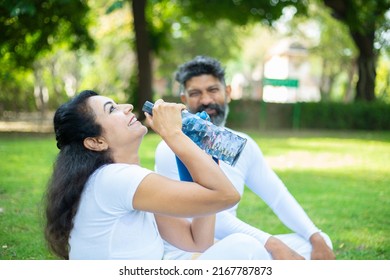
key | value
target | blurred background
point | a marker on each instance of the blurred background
(311, 85)
(294, 63)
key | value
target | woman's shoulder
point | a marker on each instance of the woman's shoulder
(116, 172)
(118, 177)
(121, 166)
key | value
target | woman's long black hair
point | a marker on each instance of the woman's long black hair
(73, 122)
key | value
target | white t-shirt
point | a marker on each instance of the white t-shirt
(253, 171)
(106, 225)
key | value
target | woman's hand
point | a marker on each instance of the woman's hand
(166, 119)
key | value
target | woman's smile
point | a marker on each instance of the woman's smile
(132, 121)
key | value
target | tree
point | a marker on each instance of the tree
(240, 11)
(152, 37)
(364, 19)
(143, 48)
(142, 89)
(331, 47)
(29, 28)
(193, 38)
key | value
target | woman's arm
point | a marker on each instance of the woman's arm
(195, 236)
(211, 190)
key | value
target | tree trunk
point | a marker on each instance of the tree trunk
(143, 56)
(39, 90)
(324, 81)
(364, 41)
(365, 89)
(349, 90)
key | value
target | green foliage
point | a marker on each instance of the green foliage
(181, 29)
(365, 21)
(39, 34)
(340, 178)
(361, 17)
(115, 6)
(334, 48)
(29, 31)
(193, 38)
(161, 16)
(28, 28)
(382, 88)
(16, 86)
(240, 12)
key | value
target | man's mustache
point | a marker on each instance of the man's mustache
(218, 108)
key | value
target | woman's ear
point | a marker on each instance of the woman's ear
(97, 144)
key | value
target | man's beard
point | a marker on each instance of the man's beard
(219, 119)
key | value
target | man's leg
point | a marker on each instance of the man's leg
(301, 245)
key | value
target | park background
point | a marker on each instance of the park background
(311, 84)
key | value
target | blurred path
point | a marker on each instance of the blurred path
(27, 122)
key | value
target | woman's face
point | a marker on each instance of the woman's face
(120, 126)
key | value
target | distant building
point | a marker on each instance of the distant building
(287, 76)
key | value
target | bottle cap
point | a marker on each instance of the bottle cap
(148, 107)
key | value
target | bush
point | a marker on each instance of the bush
(355, 116)
(251, 114)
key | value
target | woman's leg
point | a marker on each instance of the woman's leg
(236, 246)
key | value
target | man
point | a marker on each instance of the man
(203, 88)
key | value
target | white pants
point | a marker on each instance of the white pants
(236, 246)
(301, 245)
(239, 246)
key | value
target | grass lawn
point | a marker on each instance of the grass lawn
(340, 178)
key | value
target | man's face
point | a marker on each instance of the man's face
(207, 93)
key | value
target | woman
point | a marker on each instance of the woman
(101, 204)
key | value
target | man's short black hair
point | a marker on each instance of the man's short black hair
(200, 65)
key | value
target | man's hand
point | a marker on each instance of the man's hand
(281, 251)
(321, 250)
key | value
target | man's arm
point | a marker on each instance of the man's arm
(227, 223)
(263, 181)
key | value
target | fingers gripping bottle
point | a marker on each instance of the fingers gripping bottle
(216, 141)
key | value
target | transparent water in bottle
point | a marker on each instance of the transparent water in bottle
(214, 140)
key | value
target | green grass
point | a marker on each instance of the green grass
(340, 178)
